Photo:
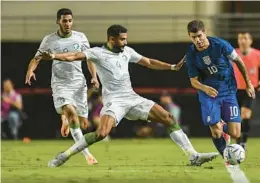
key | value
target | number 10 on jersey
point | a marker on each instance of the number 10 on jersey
(212, 69)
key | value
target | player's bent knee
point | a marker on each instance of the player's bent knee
(235, 134)
(69, 111)
(246, 113)
(217, 134)
(168, 119)
(101, 134)
(216, 130)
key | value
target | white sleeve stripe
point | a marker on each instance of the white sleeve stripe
(233, 55)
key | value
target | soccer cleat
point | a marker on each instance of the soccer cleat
(91, 159)
(227, 138)
(65, 129)
(200, 158)
(59, 160)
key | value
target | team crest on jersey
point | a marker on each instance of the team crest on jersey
(124, 57)
(206, 60)
(76, 47)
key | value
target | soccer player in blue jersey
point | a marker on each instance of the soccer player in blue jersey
(210, 70)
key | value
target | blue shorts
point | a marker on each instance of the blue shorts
(215, 109)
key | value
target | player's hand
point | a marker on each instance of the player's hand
(212, 92)
(28, 77)
(46, 55)
(179, 65)
(250, 90)
(95, 83)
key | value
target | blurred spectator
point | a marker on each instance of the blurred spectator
(168, 104)
(11, 107)
(158, 129)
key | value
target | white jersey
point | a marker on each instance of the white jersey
(65, 74)
(112, 68)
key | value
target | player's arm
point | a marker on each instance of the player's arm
(212, 92)
(155, 64)
(93, 72)
(65, 57)
(242, 68)
(194, 78)
(179, 65)
(35, 62)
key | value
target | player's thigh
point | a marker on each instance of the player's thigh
(80, 98)
(230, 109)
(231, 115)
(62, 98)
(211, 111)
(140, 109)
(116, 109)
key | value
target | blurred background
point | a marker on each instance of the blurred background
(156, 29)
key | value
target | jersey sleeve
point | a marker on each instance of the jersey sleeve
(91, 54)
(228, 51)
(192, 70)
(134, 56)
(43, 46)
(85, 43)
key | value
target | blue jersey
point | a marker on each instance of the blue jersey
(213, 66)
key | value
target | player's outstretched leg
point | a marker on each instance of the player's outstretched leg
(158, 114)
(88, 139)
(76, 132)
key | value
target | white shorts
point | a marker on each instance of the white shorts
(76, 97)
(130, 106)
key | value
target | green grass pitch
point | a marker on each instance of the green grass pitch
(122, 161)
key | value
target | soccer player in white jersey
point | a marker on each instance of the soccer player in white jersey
(68, 82)
(111, 61)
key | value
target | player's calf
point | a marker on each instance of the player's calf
(217, 137)
(105, 126)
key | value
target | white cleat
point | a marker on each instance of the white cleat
(201, 158)
(91, 159)
(59, 160)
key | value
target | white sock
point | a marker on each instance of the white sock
(77, 147)
(181, 139)
(77, 134)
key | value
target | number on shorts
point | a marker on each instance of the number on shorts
(233, 111)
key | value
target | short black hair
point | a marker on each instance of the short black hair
(195, 26)
(63, 11)
(115, 30)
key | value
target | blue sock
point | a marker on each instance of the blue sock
(225, 128)
(220, 144)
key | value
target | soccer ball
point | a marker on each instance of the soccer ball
(234, 154)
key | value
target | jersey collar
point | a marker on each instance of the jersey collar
(114, 50)
(65, 36)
